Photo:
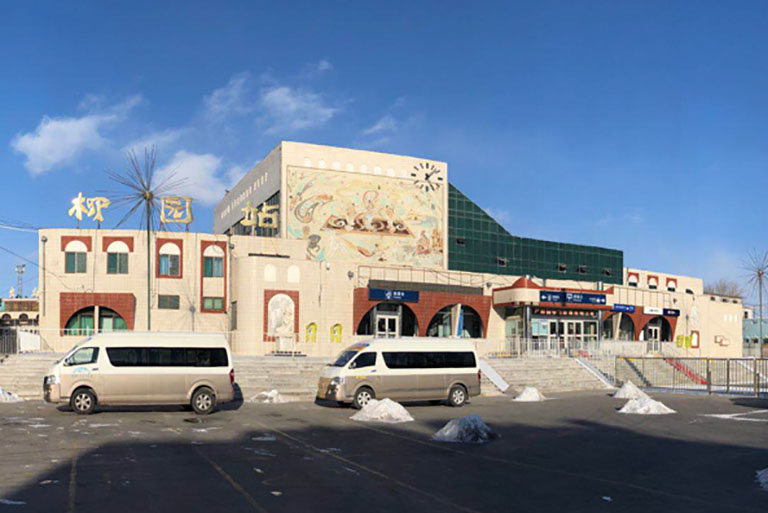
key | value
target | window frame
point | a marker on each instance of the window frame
(119, 257)
(166, 297)
(212, 300)
(78, 257)
(213, 267)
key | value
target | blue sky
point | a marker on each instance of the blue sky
(639, 126)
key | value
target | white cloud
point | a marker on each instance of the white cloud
(504, 217)
(324, 65)
(59, 141)
(200, 173)
(289, 109)
(385, 124)
(230, 99)
(162, 140)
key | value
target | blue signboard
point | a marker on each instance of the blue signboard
(623, 308)
(581, 298)
(671, 312)
(408, 296)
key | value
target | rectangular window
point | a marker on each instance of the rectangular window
(84, 356)
(169, 265)
(168, 302)
(167, 357)
(213, 267)
(127, 356)
(429, 360)
(213, 303)
(117, 263)
(74, 263)
(364, 360)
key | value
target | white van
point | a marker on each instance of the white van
(153, 368)
(404, 369)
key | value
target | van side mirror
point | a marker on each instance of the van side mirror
(353, 365)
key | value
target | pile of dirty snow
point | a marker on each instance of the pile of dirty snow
(385, 410)
(646, 406)
(9, 397)
(762, 478)
(629, 391)
(469, 429)
(530, 395)
(272, 397)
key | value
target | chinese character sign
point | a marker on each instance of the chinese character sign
(91, 207)
(264, 217)
(176, 209)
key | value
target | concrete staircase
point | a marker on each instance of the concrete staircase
(546, 374)
(295, 378)
(23, 374)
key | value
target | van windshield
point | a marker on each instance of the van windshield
(344, 358)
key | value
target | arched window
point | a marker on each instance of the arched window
(336, 333)
(311, 334)
(443, 324)
(294, 275)
(74, 257)
(117, 258)
(82, 322)
(213, 262)
(170, 260)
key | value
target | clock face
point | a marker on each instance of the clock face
(427, 176)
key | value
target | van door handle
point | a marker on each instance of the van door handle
(95, 368)
(373, 371)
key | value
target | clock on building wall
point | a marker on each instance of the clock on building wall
(427, 176)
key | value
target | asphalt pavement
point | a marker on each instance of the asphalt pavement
(574, 452)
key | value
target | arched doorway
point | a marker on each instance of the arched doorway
(444, 322)
(389, 319)
(83, 323)
(618, 326)
(657, 329)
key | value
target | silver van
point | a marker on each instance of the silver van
(407, 369)
(154, 368)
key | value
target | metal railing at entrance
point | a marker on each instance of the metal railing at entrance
(712, 375)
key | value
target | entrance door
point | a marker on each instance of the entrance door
(387, 326)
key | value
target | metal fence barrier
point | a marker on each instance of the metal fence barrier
(712, 375)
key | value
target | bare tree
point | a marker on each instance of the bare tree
(724, 287)
(756, 267)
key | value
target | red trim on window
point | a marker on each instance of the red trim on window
(66, 239)
(293, 294)
(650, 277)
(106, 241)
(159, 243)
(636, 275)
(673, 281)
(122, 303)
(203, 246)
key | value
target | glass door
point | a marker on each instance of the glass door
(387, 326)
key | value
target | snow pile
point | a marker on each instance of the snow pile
(762, 478)
(469, 429)
(272, 397)
(9, 397)
(385, 410)
(646, 406)
(629, 391)
(530, 395)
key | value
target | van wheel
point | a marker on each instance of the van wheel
(83, 401)
(203, 401)
(362, 397)
(457, 396)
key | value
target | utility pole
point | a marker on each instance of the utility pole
(20, 268)
(760, 274)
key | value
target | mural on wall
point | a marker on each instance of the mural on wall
(280, 316)
(364, 218)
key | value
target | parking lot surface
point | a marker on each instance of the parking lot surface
(571, 453)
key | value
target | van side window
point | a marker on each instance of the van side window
(84, 356)
(429, 360)
(127, 356)
(364, 360)
(167, 357)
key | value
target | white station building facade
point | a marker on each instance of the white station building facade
(319, 246)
